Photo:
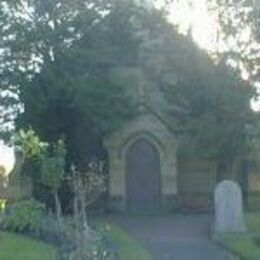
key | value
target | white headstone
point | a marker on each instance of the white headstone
(7, 161)
(229, 216)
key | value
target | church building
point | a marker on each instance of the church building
(146, 172)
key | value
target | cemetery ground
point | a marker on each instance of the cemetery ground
(247, 245)
(194, 243)
(129, 244)
(19, 247)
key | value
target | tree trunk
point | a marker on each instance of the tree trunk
(58, 207)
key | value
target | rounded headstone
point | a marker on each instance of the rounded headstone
(7, 162)
(229, 216)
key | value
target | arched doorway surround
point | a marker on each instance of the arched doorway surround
(146, 133)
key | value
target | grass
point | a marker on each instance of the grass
(253, 222)
(17, 247)
(128, 247)
(244, 245)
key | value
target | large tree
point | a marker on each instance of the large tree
(8, 94)
(235, 24)
(214, 112)
(239, 35)
(57, 56)
(214, 96)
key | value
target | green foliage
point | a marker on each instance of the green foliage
(210, 105)
(9, 101)
(30, 143)
(59, 64)
(59, 58)
(242, 245)
(44, 163)
(34, 149)
(64, 235)
(23, 215)
(53, 167)
(239, 32)
(96, 248)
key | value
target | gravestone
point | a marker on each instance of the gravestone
(13, 186)
(229, 216)
(7, 163)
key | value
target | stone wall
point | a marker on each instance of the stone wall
(253, 199)
(149, 127)
(196, 182)
(187, 181)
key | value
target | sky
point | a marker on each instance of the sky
(194, 14)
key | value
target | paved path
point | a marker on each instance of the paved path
(174, 237)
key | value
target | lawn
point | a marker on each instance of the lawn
(17, 247)
(248, 245)
(253, 222)
(128, 247)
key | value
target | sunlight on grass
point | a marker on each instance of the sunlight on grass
(246, 246)
(17, 247)
(241, 244)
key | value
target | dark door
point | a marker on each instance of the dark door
(143, 178)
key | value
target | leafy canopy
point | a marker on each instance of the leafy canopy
(57, 57)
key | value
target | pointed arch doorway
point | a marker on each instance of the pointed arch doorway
(143, 177)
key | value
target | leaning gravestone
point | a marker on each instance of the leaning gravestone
(229, 216)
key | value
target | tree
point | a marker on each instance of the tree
(214, 91)
(239, 35)
(216, 115)
(8, 96)
(209, 103)
(59, 60)
(60, 57)
(239, 46)
(52, 173)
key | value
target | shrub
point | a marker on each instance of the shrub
(64, 236)
(96, 247)
(25, 215)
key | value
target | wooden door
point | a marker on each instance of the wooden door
(143, 177)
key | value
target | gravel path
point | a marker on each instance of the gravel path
(177, 237)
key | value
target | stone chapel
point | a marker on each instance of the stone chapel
(146, 174)
(148, 170)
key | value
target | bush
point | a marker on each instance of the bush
(96, 247)
(29, 216)
(25, 215)
(64, 236)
